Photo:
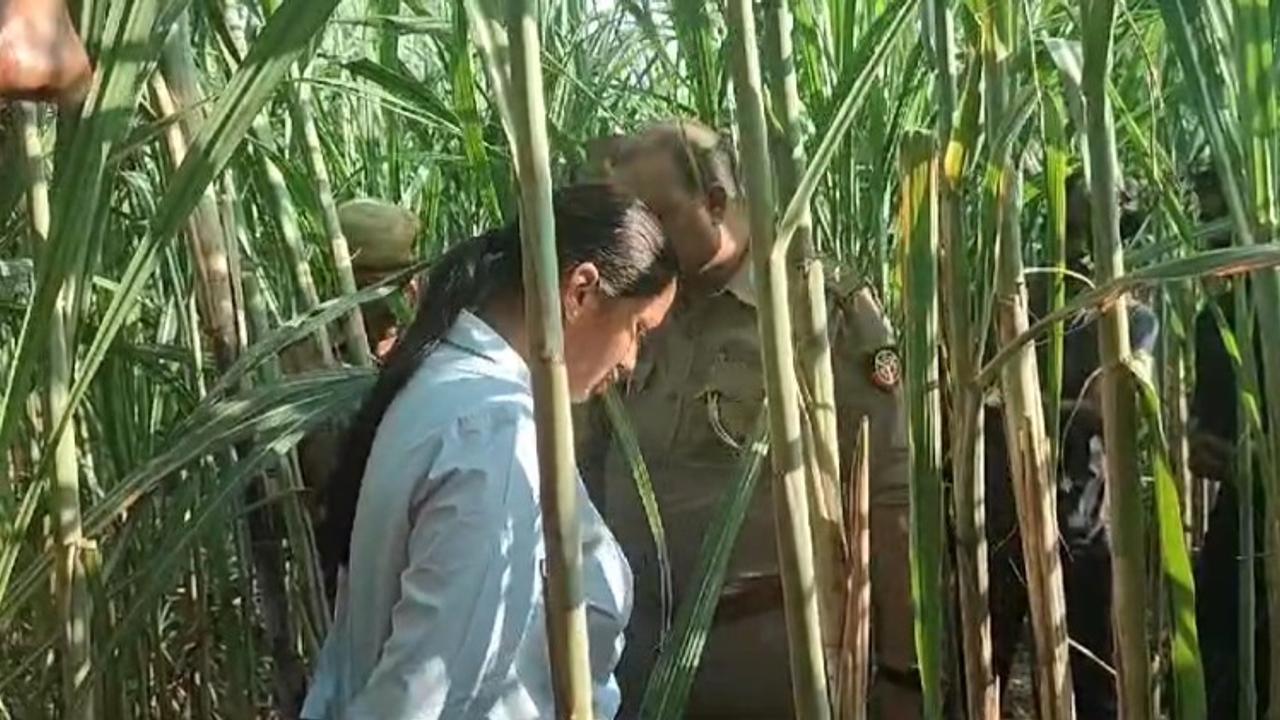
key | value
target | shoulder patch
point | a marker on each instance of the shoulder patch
(884, 367)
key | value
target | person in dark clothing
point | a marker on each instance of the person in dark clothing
(1214, 432)
(1214, 415)
(1084, 546)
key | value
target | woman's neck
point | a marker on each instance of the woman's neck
(506, 316)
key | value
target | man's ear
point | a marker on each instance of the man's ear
(717, 203)
(578, 287)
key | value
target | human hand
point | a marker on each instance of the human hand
(41, 56)
(1211, 456)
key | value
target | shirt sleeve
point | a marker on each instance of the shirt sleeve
(860, 329)
(467, 593)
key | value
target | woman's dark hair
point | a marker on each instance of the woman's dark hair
(595, 222)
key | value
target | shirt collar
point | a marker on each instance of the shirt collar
(742, 285)
(474, 336)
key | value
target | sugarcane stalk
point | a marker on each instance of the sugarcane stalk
(967, 463)
(1055, 176)
(235, 237)
(491, 39)
(1032, 475)
(853, 680)
(791, 504)
(216, 308)
(280, 201)
(919, 228)
(315, 618)
(300, 105)
(1243, 470)
(1124, 491)
(176, 86)
(1177, 388)
(1024, 420)
(981, 694)
(252, 313)
(71, 592)
(264, 522)
(812, 345)
(200, 678)
(1259, 106)
(566, 609)
(389, 57)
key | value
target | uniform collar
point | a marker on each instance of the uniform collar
(475, 337)
(743, 285)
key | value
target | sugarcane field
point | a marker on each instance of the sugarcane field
(639, 359)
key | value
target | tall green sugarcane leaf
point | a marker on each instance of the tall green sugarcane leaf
(1188, 672)
(1186, 29)
(15, 530)
(491, 38)
(1210, 263)
(217, 428)
(159, 576)
(382, 98)
(698, 45)
(288, 333)
(1053, 133)
(1252, 412)
(308, 399)
(868, 64)
(626, 437)
(417, 94)
(644, 19)
(302, 326)
(284, 38)
(919, 211)
(464, 83)
(667, 691)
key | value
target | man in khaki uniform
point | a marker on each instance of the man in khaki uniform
(693, 398)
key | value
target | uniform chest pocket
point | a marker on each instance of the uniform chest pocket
(730, 397)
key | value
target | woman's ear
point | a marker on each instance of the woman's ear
(579, 285)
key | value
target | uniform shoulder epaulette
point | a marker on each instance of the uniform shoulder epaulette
(842, 285)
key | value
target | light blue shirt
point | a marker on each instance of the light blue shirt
(440, 614)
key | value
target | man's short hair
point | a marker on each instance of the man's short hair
(702, 156)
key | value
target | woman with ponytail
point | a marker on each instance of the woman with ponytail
(432, 525)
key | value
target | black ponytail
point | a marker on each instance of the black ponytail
(595, 223)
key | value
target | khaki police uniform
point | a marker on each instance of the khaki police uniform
(695, 394)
